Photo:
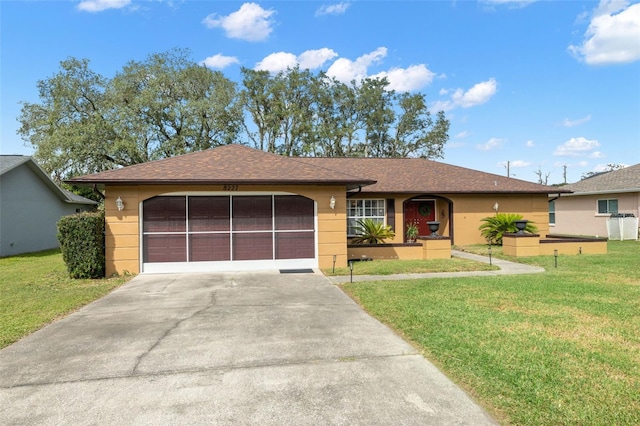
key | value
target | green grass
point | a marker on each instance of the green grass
(35, 289)
(557, 348)
(388, 267)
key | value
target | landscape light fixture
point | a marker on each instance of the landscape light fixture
(332, 202)
(555, 255)
(119, 204)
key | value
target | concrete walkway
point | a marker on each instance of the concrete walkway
(225, 349)
(506, 268)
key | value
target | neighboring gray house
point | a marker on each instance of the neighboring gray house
(31, 205)
(588, 209)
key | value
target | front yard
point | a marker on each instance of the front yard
(35, 289)
(561, 347)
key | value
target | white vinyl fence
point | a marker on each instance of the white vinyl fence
(622, 227)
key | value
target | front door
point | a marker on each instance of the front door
(420, 212)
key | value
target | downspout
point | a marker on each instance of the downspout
(97, 191)
(351, 194)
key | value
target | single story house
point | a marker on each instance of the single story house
(236, 208)
(588, 207)
(31, 205)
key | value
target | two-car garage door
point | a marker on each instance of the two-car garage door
(182, 233)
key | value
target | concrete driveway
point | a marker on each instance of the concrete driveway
(242, 348)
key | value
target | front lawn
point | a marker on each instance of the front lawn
(388, 267)
(35, 289)
(561, 347)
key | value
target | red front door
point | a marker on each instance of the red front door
(420, 212)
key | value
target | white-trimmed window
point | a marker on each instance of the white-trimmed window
(607, 206)
(363, 209)
(552, 212)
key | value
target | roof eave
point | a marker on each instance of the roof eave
(604, 192)
(126, 182)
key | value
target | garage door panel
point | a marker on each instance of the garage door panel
(164, 214)
(209, 247)
(293, 212)
(252, 213)
(165, 248)
(209, 214)
(295, 245)
(227, 232)
(256, 246)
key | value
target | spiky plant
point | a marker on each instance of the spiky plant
(494, 227)
(372, 232)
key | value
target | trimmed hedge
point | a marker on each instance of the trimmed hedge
(81, 238)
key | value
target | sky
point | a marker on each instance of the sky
(532, 89)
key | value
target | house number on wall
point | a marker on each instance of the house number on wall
(229, 187)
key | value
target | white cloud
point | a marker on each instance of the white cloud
(310, 59)
(407, 79)
(333, 9)
(219, 61)
(576, 147)
(596, 154)
(613, 36)
(519, 164)
(346, 70)
(529, 144)
(100, 5)
(477, 95)
(277, 62)
(251, 22)
(490, 145)
(462, 134)
(577, 122)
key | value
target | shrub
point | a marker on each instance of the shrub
(372, 232)
(81, 238)
(494, 227)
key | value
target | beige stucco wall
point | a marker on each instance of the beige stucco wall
(469, 210)
(578, 214)
(442, 212)
(122, 233)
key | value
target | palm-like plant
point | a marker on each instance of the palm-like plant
(494, 227)
(372, 232)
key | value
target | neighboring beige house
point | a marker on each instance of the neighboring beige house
(592, 202)
(237, 208)
(31, 205)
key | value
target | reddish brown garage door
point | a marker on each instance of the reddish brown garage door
(240, 232)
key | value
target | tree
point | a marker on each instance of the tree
(371, 231)
(158, 108)
(493, 228)
(168, 105)
(542, 180)
(297, 113)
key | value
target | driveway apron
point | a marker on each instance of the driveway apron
(236, 348)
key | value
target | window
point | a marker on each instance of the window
(552, 212)
(363, 209)
(607, 206)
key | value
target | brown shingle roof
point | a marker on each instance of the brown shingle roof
(241, 164)
(226, 164)
(411, 175)
(623, 180)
